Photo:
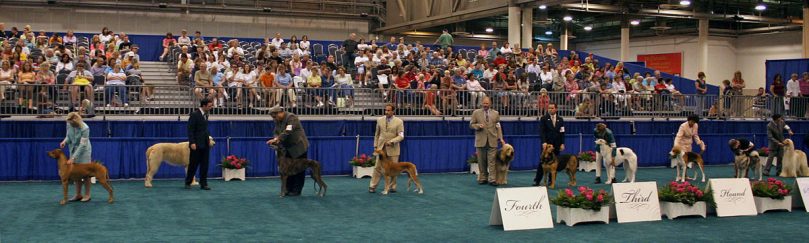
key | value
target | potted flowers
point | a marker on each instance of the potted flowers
(772, 194)
(763, 152)
(681, 199)
(233, 167)
(362, 165)
(473, 164)
(587, 161)
(587, 206)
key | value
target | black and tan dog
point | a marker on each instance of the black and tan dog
(552, 164)
(503, 161)
(288, 166)
(75, 172)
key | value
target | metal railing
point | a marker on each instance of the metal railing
(174, 100)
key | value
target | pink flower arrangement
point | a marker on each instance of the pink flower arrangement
(363, 161)
(587, 198)
(683, 192)
(234, 162)
(587, 156)
(772, 188)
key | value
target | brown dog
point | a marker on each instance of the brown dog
(288, 166)
(392, 169)
(552, 164)
(504, 157)
(681, 160)
(75, 172)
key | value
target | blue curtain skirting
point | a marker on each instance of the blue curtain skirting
(435, 146)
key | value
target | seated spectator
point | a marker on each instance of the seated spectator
(184, 67)
(81, 81)
(284, 83)
(184, 39)
(168, 43)
(476, 91)
(6, 78)
(46, 79)
(343, 82)
(277, 41)
(315, 83)
(55, 40)
(215, 44)
(99, 71)
(69, 39)
(429, 100)
(134, 76)
(116, 82)
(203, 82)
(328, 84)
(247, 77)
(26, 78)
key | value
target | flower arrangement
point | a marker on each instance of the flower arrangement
(472, 159)
(363, 161)
(771, 188)
(586, 199)
(233, 162)
(764, 151)
(685, 193)
(587, 156)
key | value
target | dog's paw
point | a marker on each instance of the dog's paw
(384, 192)
(110, 201)
(421, 191)
(148, 185)
(62, 202)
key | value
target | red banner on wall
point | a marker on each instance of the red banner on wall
(666, 62)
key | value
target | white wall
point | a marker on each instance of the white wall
(725, 55)
(91, 21)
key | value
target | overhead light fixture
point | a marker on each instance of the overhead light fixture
(543, 6)
(548, 32)
(588, 28)
(634, 22)
(489, 30)
(761, 7)
(567, 18)
(685, 2)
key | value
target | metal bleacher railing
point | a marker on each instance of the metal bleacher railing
(175, 100)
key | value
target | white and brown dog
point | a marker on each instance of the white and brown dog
(503, 162)
(794, 161)
(176, 154)
(682, 160)
(623, 155)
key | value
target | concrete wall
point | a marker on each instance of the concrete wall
(725, 55)
(91, 21)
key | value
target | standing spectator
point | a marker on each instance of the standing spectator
(702, 89)
(389, 134)
(552, 131)
(289, 135)
(349, 46)
(737, 85)
(777, 91)
(804, 87)
(486, 123)
(198, 140)
(775, 137)
(445, 39)
(794, 94)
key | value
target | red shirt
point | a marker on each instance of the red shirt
(403, 82)
(499, 60)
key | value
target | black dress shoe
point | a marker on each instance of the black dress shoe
(535, 184)
(205, 188)
(598, 180)
(482, 182)
(494, 184)
(187, 187)
(293, 194)
(392, 191)
(614, 180)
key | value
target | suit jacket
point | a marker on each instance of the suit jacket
(392, 131)
(291, 135)
(554, 135)
(775, 135)
(198, 129)
(491, 132)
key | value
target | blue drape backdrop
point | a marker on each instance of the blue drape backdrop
(435, 146)
(785, 67)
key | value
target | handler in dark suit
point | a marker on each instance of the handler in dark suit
(775, 138)
(289, 134)
(552, 131)
(200, 146)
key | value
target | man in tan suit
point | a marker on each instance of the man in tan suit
(389, 132)
(486, 123)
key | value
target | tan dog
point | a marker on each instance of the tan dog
(794, 161)
(551, 164)
(503, 161)
(681, 160)
(392, 169)
(176, 154)
(75, 172)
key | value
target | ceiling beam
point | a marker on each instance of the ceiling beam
(601, 8)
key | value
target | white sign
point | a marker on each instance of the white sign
(636, 202)
(521, 208)
(733, 197)
(803, 188)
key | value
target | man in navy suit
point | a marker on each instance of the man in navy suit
(552, 132)
(200, 146)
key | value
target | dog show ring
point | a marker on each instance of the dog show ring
(230, 174)
(572, 216)
(764, 204)
(675, 209)
(360, 172)
(587, 166)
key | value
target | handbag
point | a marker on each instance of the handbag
(341, 102)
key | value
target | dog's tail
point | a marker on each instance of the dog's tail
(149, 154)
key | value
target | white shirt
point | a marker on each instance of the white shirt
(533, 68)
(277, 42)
(184, 40)
(245, 78)
(546, 77)
(68, 66)
(237, 49)
(105, 38)
(121, 75)
(489, 73)
(474, 85)
(793, 88)
(505, 50)
(360, 60)
(304, 45)
(305, 73)
(618, 86)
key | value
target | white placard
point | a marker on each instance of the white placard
(521, 208)
(733, 197)
(803, 189)
(636, 202)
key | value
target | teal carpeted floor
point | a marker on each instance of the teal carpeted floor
(454, 208)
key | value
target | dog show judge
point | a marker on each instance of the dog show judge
(200, 145)
(775, 141)
(552, 131)
(290, 136)
(602, 132)
(486, 123)
(389, 134)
